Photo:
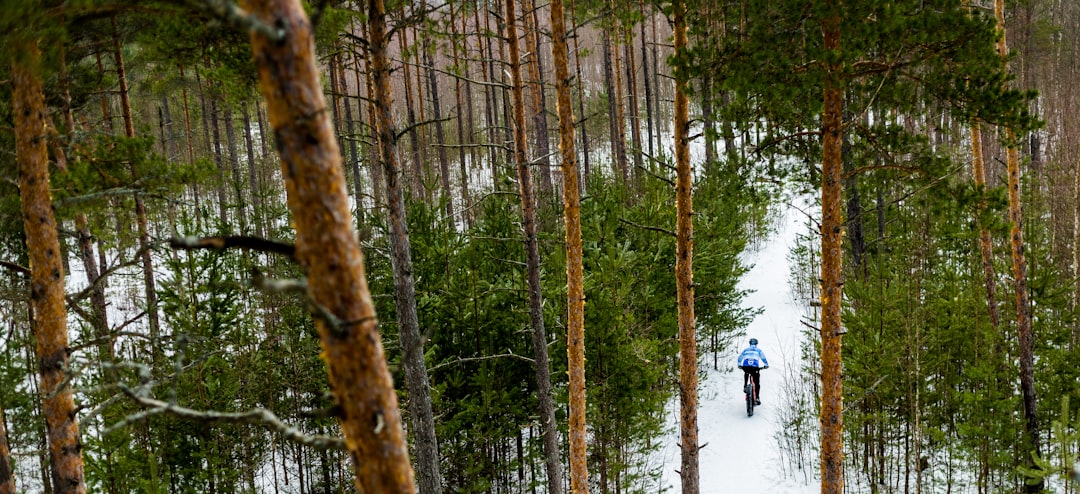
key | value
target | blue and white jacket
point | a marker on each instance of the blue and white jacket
(753, 357)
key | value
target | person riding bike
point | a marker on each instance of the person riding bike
(751, 361)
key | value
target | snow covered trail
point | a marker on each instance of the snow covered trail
(740, 453)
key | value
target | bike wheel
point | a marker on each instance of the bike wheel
(750, 400)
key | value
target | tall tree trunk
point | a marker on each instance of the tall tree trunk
(464, 140)
(631, 87)
(234, 166)
(538, 101)
(1019, 261)
(648, 86)
(532, 259)
(149, 285)
(440, 137)
(487, 67)
(575, 293)
(413, 182)
(326, 244)
(615, 123)
(253, 174)
(584, 172)
(986, 245)
(416, 378)
(377, 186)
(46, 271)
(7, 475)
(684, 257)
(832, 222)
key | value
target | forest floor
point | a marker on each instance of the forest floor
(740, 453)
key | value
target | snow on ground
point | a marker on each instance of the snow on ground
(739, 453)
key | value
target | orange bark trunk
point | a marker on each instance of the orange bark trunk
(46, 273)
(832, 223)
(575, 294)
(986, 246)
(328, 250)
(1019, 262)
(7, 476)
(684, 273)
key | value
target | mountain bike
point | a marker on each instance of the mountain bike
(750, 393)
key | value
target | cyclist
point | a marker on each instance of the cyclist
(751, 361)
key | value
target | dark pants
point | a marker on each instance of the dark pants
(754, 372)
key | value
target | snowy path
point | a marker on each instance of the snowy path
(740, 453)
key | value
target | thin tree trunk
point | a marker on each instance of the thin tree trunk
(377, 186)
(490, 102)
(416, 378)
(648, 87)
(619, 139)
(219, 159)
(538, 101)
(832, 221)
(326, 244)
(575, 294)
(986, 245)
(7, 475)
(440, 137)
(413, 181)
(584, 172)
(631, 86)
(463, 138)
(140, 207)
(532, 259)
(46, 272)
(684, 273)
(1076, 251)
(234, 166)
(253, 174)
(1019, 261)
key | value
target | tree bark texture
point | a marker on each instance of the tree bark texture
(575, 292)
(986, 245)
(416, 378)
(832, 223)
(538, 105)
(1019, 261)
(684, 273)
(46, 273)
(327, 248)
(7, 475)
(532, 260)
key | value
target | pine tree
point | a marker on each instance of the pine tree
(46, 272)
(575, 295)
(326, 246)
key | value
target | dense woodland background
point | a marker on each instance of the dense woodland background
(158, 137)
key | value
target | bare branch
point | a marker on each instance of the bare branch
(647, 227)
(18, 268)
(257, 416)
(240, 242)
(461, 360)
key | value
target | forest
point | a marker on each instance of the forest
(480, 245)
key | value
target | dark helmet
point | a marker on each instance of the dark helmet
(753, 341)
